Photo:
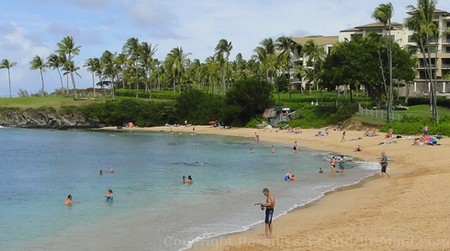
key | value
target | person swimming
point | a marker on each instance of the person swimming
(288, 176)
(109, 196)
(69, 200)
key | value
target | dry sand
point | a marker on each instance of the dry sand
(408, 211)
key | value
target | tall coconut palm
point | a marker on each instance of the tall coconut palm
(265, 55)
(286, 46)
(383, 13)
(146, 53)
(316, 55)
(70, 69)
(7, 64)
(224, 48)
(54, 62)
(131, 49)
(39, 63)
(92, 65)
(425, 31)
(176, 62)
(109, 68)
(67, 47)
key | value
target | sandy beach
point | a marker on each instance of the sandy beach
(408, 211)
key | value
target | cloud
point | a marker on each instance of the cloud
(90, 4)
(18, 45)
(154, 18)
(61, 29)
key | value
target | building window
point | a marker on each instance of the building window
(354, 36)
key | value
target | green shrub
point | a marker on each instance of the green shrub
(255, 122)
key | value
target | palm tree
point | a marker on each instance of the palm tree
(425, 31)
(316, 55)
(224, 47)
(383, 13)
(265, 55)
(70, 69)
(176, 62)
(67, 48)
(39, 63)
(54, 62)
(286, 47)
(109, 68)
(6, 64)
(146, 53)
(92, 65)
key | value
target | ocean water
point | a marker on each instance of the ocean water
(152, 209)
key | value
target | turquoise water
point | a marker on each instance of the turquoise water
(152, 209)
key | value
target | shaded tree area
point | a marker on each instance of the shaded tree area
(197, 107)
(247, 99)
(121, 111)
(364, 62)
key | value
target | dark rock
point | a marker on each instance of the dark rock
(38, 118)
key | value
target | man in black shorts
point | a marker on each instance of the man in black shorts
(384, 164)
(268, 205)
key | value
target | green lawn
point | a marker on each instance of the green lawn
(417, 110)
(48, 101)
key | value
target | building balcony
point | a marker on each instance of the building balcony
(424, 67)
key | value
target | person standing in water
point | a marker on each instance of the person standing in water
(109, 196)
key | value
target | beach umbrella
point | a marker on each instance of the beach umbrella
(212, 122)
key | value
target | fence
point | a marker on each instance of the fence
(378, 113)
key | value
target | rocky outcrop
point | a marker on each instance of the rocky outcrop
(32, 118)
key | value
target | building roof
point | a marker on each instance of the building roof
(377, 25)
(436, 11)
(320, 40)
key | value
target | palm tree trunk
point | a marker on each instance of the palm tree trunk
(93, 83)
(61, 79)
(67, 85)
(391, 91)
(74, 86)
(42, 81)
(9, 83)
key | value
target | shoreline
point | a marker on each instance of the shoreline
(367, 215)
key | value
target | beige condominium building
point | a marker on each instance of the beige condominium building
(324, 42)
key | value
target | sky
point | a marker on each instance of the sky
(34, 27)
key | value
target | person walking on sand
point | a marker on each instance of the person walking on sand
(384, 164)
(269, 206)
(343, 136)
